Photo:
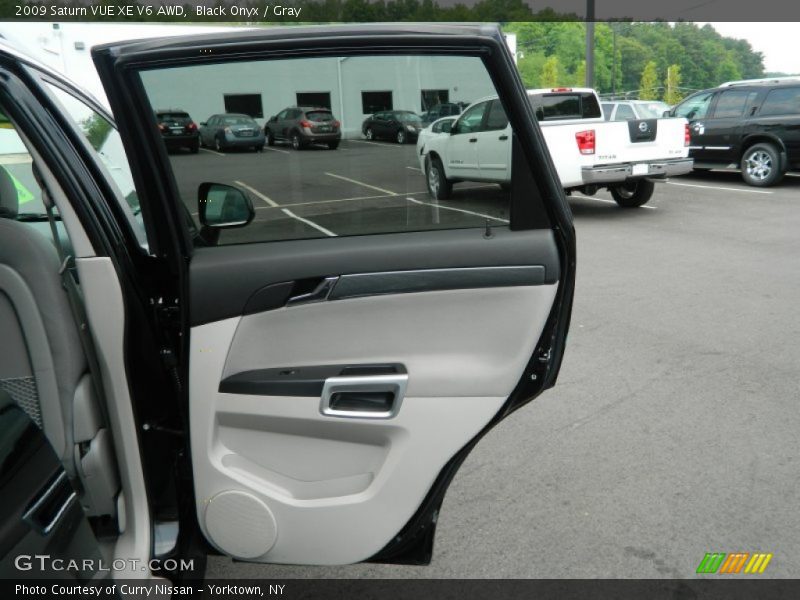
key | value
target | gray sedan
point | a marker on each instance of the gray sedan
(227, 131)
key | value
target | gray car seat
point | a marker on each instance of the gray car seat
(42, 364)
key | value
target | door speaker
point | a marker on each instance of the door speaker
(240, 524)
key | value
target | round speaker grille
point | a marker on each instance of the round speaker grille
(240, 524)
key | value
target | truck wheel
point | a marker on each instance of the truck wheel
(633, 193)
(761, 165)
(438, 185)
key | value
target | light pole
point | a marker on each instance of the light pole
(589, 43)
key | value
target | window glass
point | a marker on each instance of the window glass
(731, 104)
(372, 102)
(497, 118)
(624, 113)
(407, 117)
(651, 110)
(320, 115)
(316, 99)
(782, 102)
(106, 141)
(472, 118)
(248, 104)
(442, 126)
(566, 105)
(607, 110)
(694, 107)
(333, 181)
(431, 98)
(20, 195)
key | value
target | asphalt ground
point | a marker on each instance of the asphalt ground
(362, 187)
(673, 429)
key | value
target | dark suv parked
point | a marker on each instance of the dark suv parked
(447, 109)
(750, 125)
(303, 126)
(178, 130)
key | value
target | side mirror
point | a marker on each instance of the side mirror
(447, 127)
(202, 123)
(666, 114)
(223, 206)
(453, 128)
(273, 119)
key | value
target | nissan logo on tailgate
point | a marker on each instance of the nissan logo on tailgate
(643, 126)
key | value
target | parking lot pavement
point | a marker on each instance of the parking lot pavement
(362, 185)
(672, 431)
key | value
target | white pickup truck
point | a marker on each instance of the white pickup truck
(588, 152)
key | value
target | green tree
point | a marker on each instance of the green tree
(530, 68)
(727, 71)
(579, 77)
(672, 93)
(648, 84)
(551, 73)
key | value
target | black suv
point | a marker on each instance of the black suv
(303, 126)
(750, 125)
(178, 130)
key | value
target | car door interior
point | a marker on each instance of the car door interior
(335, 384)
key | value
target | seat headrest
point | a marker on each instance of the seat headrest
(9, 200)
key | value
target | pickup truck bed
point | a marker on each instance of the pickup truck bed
(588, 152)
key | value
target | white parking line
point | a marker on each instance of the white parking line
(334, 200)
(415, 169)
(374, 143)
(461, 210)
(285, 211)
(715, 187)
(366, 185)
(608, 201)
(276, 150)
(212, 151)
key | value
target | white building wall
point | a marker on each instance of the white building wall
(200, 89)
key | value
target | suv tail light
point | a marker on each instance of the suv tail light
(305, 124)
(585, 141)
(687, 135)
(191, 127)
(336, 124)
(162, 126)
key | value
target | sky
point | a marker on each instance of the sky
(776, 41)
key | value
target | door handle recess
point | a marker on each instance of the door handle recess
(503, 137)
(364, 397)
(318, 294)
(46, 511)
(471, 140)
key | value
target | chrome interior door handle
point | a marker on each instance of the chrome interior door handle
(363, 397)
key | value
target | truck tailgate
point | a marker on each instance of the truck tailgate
(640, 140)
